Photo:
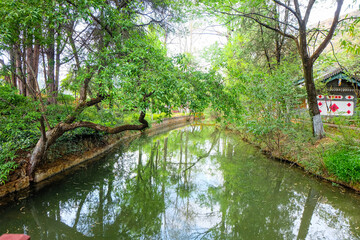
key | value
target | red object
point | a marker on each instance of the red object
(349, 104)
(320, 104)
(14, 237)
(320, 110)
(348, 111)
(334, 107)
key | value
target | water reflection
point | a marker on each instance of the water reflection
(189, 183)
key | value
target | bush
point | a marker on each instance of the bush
(7, 155)
(18, 128)
(344, 162)
(158, 116)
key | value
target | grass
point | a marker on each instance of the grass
(344, 162)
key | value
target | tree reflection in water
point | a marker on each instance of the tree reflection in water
(190, 183)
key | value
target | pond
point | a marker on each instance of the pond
(195, 182)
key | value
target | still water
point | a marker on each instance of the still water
(190, 183)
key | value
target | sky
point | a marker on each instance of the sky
(325, 9)
(209, 34)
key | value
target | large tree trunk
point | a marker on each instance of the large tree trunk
(24, 69)
(13, 65)
(32, 63)
(317, 125)
(50, 54)
(29, 75)
(19, 71)
(57, 69)
(50, 137)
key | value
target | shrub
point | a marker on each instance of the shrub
(18, 128)
(7, 154)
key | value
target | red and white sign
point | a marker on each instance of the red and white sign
(336, 108)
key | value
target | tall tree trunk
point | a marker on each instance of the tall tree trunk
(317, 125)
(266, 52)
(57, 69)
(35, 67)
(19, 71)
(13, 66)
(50, 54)
(32, 62)
(29, 75)
(24, 68)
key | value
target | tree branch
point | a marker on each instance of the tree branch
(79, 108)
(288, 8)
(334, 54)
(248, 15)
(106, 28)
(297, 10)
(308, 10)
(327, 39)
(148, 95)
(262, 16)
(144, 124)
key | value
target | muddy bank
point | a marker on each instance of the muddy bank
(20, 185)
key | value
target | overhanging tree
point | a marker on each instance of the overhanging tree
(110, 51)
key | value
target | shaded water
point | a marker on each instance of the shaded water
(189, 183)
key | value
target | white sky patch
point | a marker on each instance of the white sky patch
(325, 9)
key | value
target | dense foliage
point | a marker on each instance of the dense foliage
(18, 128)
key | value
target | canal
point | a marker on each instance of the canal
(190, 183)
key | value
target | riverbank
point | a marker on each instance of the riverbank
(311, 155)
(92, 149)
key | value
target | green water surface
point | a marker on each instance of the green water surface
(191, 183)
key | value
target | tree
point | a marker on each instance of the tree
(112, 52)
(296, 30)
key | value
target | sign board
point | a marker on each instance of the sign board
(336, 105)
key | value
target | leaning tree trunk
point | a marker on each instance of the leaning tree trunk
(317, 124)
(49, 138)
